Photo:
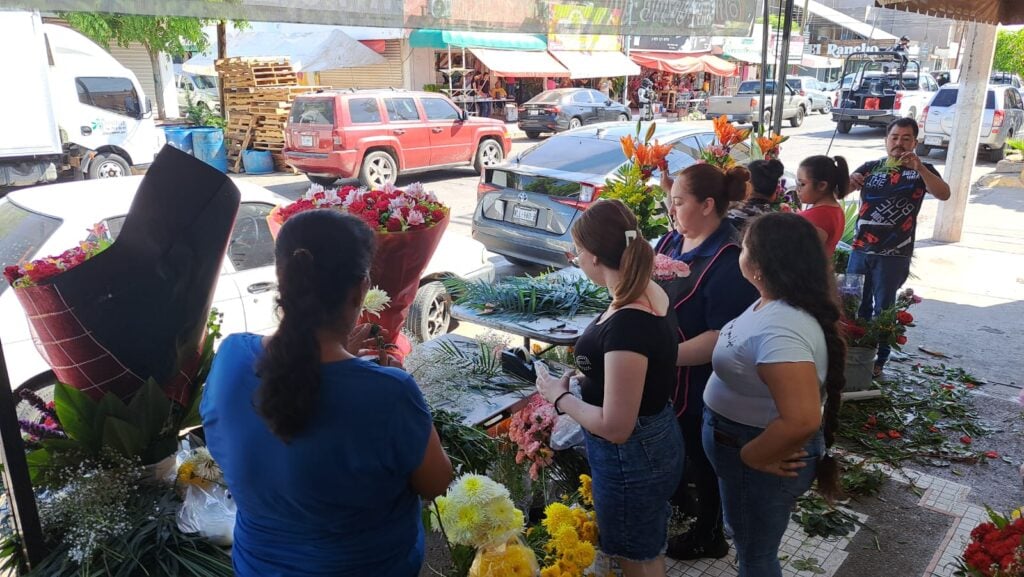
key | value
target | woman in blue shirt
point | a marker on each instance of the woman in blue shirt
(326, 454)
(713, 294)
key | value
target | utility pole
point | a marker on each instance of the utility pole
(764, 64)
(222, 52)
(783, 66)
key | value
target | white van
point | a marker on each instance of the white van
(200, 89)
(73, 108)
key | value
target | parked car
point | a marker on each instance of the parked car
(527, 205)
(36, 222)
(201, 90)
(568, 109)
(882, 87)
(743, 106)
(818, 95)
(1002, 120)
(1006, 79)
(379, 134)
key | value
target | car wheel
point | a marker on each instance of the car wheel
(43, 386)
(532, 135)
(489, 153)
(109, 165)
(378, 169)
(575, 123)
(845, 126)
(922, 150)
(827, 109)
(799, 118)
(623, 118)
(997, 154)
(324, 181)
(430, 314)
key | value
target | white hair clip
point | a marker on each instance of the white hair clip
(630, 236)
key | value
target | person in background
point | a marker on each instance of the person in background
(821, 181)
(713, 294)
(326, 455)
(892, 190)
(775, 366)
(550, 84)
(605, 86)
(627, 357)
(764, 180)
(484, 93)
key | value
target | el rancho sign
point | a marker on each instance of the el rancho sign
(840, 49)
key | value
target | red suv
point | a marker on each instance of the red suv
(378, 134)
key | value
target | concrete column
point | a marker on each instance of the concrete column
(975, 67)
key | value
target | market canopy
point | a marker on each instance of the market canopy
(1007, 12)
(441, 39)
(520, 64)
(597, 64)
(308, 51)
(614, 17)
(684, 64)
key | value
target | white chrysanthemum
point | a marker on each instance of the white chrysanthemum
(376, 300)
(313, 189)
(388, 188)
(415, 218)
(415, 190)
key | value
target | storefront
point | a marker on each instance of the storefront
(681, 80)
(455, 63)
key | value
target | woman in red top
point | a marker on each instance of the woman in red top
(820, 182)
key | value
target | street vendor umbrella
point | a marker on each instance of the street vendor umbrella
(1007, 12)
(138, 310)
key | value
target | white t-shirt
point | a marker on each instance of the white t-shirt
(775, 333)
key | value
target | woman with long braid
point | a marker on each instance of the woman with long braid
(764, 429)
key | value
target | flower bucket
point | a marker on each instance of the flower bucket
(860, 362)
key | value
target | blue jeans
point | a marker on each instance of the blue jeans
(883, 277)
(757, 505)
(632, 483)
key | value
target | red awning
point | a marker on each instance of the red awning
(717, 66)
(667, 62)
(378, 46)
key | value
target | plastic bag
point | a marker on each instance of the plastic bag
(208, 511)
(567, 433)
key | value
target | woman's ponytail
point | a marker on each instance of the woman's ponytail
(634, 270)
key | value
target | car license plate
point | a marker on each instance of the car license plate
(306, 140)
(933, 140)
(524, 215)
(534, 112)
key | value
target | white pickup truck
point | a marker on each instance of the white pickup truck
(743, 106)
(879, 87)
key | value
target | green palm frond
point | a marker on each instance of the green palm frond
(544, 295)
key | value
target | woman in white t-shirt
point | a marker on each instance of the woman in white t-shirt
(764, 430)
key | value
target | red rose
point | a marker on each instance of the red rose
(933, 429)
(880, 435)
(371, 217)
(966, 439)
(948, 386)
(904, 318)
(894, 434)
(437, 215)
(394, 224)
(970, 385)
(901, 340)
(12, 273)
(992, 455)
(872, 421)
(357, 207)
(42, 270)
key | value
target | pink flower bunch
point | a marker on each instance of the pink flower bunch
(32, 273)
(530, 430)
(667, 268)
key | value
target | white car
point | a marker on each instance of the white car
(47, 220)
(1002, 121)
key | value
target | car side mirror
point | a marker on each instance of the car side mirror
(463, 115)
(148, 110)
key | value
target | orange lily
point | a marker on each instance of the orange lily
(628, 146)
(770, 143)
(728, 135)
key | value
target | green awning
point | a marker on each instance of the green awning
(441, 39)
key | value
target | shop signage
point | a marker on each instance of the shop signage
(671, 43)
(833, 50)
(567, 20)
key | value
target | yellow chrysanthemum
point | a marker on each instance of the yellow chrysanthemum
(587, 489)
(1016, 514)
(557, 515)
(588, 532)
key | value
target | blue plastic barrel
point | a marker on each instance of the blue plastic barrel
(208, 146)
(179, 137)
(257, 161)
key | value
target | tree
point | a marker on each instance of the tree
(1009, 48)
(174, 35)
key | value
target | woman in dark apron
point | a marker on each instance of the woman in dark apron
(713, 294)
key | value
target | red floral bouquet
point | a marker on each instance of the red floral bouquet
(996, 548)
(32, 273)
(408, 224)
(530, 429)
(667, 268)
(889, 326)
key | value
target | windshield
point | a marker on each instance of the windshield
(22, 234)
(754, 87)
(204, 82)
(549, 97)
(575, 154)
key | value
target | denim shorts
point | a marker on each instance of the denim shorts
(632, 486)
